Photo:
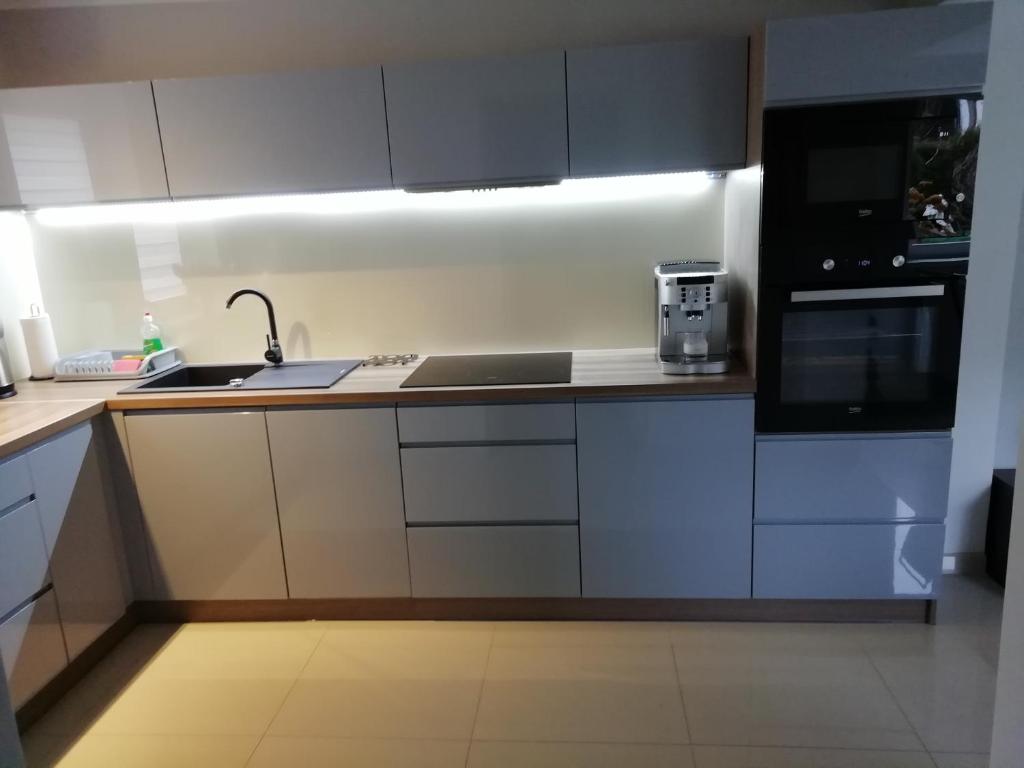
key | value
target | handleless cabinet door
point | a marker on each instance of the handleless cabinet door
(666, 497)
(453, 123)
(32, 648)
(207, 496)
(79, 144)
(15, 482)
(339, 491)
(23, 559)
(274, 133)
(78, 516)
(10, 742)
(861, 56)
(657, 107)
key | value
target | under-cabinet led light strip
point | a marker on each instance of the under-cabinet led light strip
(568, 192)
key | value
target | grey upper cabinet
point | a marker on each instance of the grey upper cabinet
(207, 497)
(458, 123)
(339, 491)
(79, 523)
(849, 57)
(666, 501)
(79, 144)
(656, 108)
(274, 133)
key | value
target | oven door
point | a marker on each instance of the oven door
(859, 358)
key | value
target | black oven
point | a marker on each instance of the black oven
(902, 168)
(855, 357)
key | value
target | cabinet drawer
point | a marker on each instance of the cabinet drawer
(15, 482)
(847, 561)
(495, 561)
(842, 479)
(497, 483)
(486, 423)
(32, 648)
(23, 560)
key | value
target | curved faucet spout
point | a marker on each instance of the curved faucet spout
(273, 353)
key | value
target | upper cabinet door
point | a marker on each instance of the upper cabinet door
(459, 123)
(79, 144)
(657, 108)
(903, 52)
(274, 133)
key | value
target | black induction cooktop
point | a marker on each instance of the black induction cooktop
(492, 370)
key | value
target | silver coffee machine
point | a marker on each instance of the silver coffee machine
(693, 304)
(6, 375)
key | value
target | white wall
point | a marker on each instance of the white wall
(516, 277)
(142, 41)
(995, 248)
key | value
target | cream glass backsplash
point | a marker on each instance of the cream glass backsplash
(448, 281)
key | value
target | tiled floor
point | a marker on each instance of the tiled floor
(540, 694)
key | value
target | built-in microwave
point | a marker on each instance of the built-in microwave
(901, 169)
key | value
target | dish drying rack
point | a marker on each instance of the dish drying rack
(98, 365)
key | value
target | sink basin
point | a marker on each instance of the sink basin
(212, 377)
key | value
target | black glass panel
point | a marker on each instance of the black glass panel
(867, 355)
(837, 174)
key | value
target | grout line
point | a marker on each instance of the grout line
(679, 687)
(288, 693)
(480, 696)
(892, 695)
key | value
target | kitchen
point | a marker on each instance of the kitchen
(389, 224)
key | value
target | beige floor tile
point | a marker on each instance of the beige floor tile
(189, 707)
(776, 757)
(263, 651)
(778, 685)
(960, 760)
(405, 654)
(607, 693)
(289, 752)
(569, 633)
(96, 750)
(950, 700)
(516, 754)
(379, 708)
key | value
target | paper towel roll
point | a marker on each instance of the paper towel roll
(40, 344)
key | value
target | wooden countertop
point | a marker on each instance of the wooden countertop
(23, 423)
(32, 413)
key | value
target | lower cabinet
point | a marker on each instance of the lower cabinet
(32, 647)
(495, 561)
(339, 495)
(79, 521)
(207, 496)
(847, 561)
(666, 497)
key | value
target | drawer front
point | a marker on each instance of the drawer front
(847, 561)
(486, 423)
(32, 648)
(23, 561)
(852, 479)
(506, 483)
(495, 561)
(15, 482)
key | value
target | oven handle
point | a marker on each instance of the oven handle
(853, 294)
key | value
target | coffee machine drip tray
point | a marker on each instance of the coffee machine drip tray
(492, 370)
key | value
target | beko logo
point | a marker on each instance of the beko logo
(854, 409)
(864, 212)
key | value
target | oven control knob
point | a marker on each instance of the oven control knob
(898, 260)
(828, 265)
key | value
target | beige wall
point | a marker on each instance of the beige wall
(435, 281)
(129, 41)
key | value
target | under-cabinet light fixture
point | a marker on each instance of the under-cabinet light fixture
(568, 192)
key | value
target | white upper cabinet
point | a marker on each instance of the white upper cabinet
(79, 144)
(657, 108)
(274, 133)
(493, 120)
(886, 54)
